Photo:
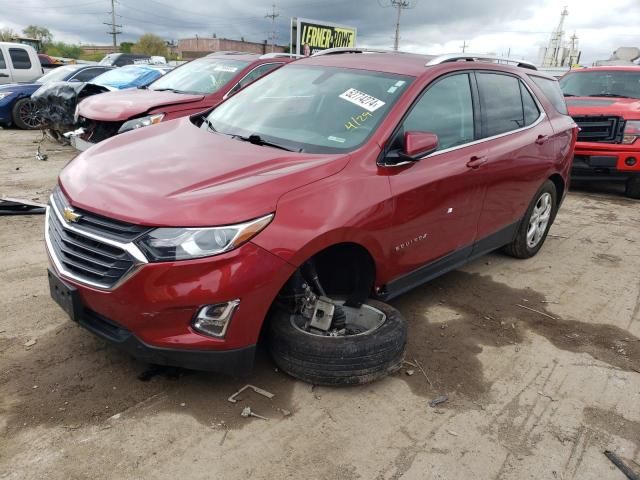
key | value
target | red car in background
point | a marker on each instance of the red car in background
(605, 103)
(191, 88)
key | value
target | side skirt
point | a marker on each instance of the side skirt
(448, 263)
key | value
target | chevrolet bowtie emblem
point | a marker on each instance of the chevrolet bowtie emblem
(70, 216)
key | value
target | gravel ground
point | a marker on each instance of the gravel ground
(540, 360)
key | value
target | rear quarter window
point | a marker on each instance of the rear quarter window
(20, 58)
(551, 90)
(3, 65)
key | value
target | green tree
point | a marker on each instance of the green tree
(39, 33)
(7, 35)
(125, 47)
(150, 44)
(65, 50)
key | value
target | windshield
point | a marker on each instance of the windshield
(127, 77)
(205, 75)
(57, 74)
(607, 83)
(311, 109)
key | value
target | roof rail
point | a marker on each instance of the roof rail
(472, 57)
(336, 50)
(280, 55)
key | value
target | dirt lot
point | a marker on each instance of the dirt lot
(540, 359)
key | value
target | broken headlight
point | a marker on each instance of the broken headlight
(631, 131)
(141, 122)
(168, 244)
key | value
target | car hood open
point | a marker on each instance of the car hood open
(624, 107)
(125, 104)
(176, 174)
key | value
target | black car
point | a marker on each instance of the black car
(122, 59)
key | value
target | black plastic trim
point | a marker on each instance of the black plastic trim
(448, 263)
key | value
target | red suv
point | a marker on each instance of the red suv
(193, 87)
(605, 103)
(335, 183)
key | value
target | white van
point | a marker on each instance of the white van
(18, 63)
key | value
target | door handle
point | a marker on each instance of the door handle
(3, 75)
(476, 161)
(542, 139)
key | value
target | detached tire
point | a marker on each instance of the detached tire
(537, 219)
(343, 360)
(632, 189)
(25, 114)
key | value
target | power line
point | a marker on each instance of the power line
(272, 35)
(114, 27)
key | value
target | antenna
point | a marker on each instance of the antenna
(114, 27)
(272, 35)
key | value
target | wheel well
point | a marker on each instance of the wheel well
(345, 268)
(559, 183)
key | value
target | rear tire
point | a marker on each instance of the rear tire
(341, 360)
(535, 224)
(25, 114)
(632, 189)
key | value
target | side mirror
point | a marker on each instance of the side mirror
(418, 144)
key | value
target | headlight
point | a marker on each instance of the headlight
(141, 122)
(168, 244)
(5, 94)
(631, 131)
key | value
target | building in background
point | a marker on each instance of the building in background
(190, 48)
(560, 53)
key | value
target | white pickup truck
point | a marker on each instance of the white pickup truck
(18, 63)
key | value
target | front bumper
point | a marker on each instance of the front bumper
(237, 362)
(150, 313)
(600, 161)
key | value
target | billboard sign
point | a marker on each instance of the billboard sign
(311, 36)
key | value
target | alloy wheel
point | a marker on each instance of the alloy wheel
(539, 220)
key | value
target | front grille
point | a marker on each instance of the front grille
(99, 225)
(83, 257)
(600, 129)
(96, 130)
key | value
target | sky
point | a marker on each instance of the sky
(429, 26)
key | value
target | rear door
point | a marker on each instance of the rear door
(24, 68)
(438, 199)
(5, 71)
(518, 136)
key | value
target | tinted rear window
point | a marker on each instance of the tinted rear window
(502, 103)
(551, 89)
(20, 58)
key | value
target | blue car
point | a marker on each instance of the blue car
(130, 76)
(16, 107)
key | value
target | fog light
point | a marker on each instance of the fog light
(630, 161)
(214, 319)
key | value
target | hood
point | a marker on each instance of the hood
(20, 87)
(628, 108)
(176, 174)
(125, 104)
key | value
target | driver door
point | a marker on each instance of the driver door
(438, 199)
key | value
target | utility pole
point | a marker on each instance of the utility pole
(399, 5)
(114, 27)
(464, 46)
(273, 15)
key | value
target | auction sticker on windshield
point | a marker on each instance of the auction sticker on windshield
(368, 102)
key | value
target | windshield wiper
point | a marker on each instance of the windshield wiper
(609, 95)
(209, 124)
(258, 140)
(168, 90)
